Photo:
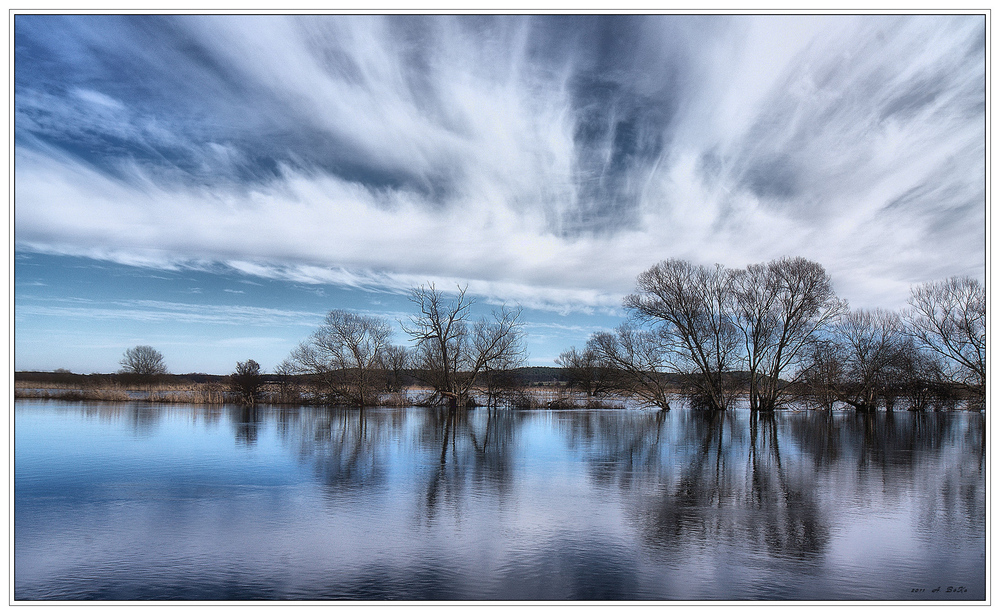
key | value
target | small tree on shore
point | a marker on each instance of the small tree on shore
(143, 363)
(635, 362)
(346, 356)
(247, 381)
(289, 387)
(585, 371)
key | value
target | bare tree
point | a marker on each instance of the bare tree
(948, 318)
(693, 308)
(918, 376)
(503, 351)
(636, 363)
(395, 360)
(821, 373)
(441, 332)
(289, 390)
(247, 381)
(344, 356)
(780, 307)
(144, 363)
(452, 351)
(584, 370)
(866, 345)
(503, 386)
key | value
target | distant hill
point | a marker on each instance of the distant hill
(540, 375)
(69, 378)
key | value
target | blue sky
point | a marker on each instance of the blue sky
(212, 185)
(77, 313)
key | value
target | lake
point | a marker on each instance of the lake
(139, 501)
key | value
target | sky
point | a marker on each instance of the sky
(212, 185)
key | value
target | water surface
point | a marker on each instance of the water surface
(138, 501)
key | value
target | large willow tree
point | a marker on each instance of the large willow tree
(780, 307)
(721, 331)
(691, 310)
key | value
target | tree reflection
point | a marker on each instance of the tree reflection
(143, 418)
(620, 446)
(474, 452)
(346, 447)
(686, 479)
(898, 448)
(886, 442)
(754, 494)
(791, 523)
(246, 421)
(447, 452)
(701, 480)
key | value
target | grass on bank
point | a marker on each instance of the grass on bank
(216, 392)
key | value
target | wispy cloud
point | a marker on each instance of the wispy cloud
(165, 311)
(545, 160)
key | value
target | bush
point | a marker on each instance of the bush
(247, 381)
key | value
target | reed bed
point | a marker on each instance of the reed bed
(187, 393)
(210, 393)
(71, 394)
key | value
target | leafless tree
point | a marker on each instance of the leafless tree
(503, 351)
(143, 363)
(636, 363)
(247, 381)
(289, 389)
(692, 308)
(395, 360)
(948, 318)
(452, 350)
(823, 370)
(345, 355)
(917, 376)
(503, 387)
(865, 346)
(584, 370)
(780, 306)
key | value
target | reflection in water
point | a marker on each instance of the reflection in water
(787, 512)
(494, 504)
(346, 448)
(246, 421)
(475, 453)
(941, 456)
(719, 486)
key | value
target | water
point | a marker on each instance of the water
(137, 501)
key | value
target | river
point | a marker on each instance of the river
(139, 501)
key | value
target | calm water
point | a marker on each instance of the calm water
(139, 501)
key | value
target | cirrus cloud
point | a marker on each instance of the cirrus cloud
(543, 159)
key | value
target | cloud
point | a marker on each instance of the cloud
(150, 311)
(543, 160)
(250, 342)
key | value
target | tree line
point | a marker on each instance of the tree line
(775, 332)
(769, 333)
(350, 359)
